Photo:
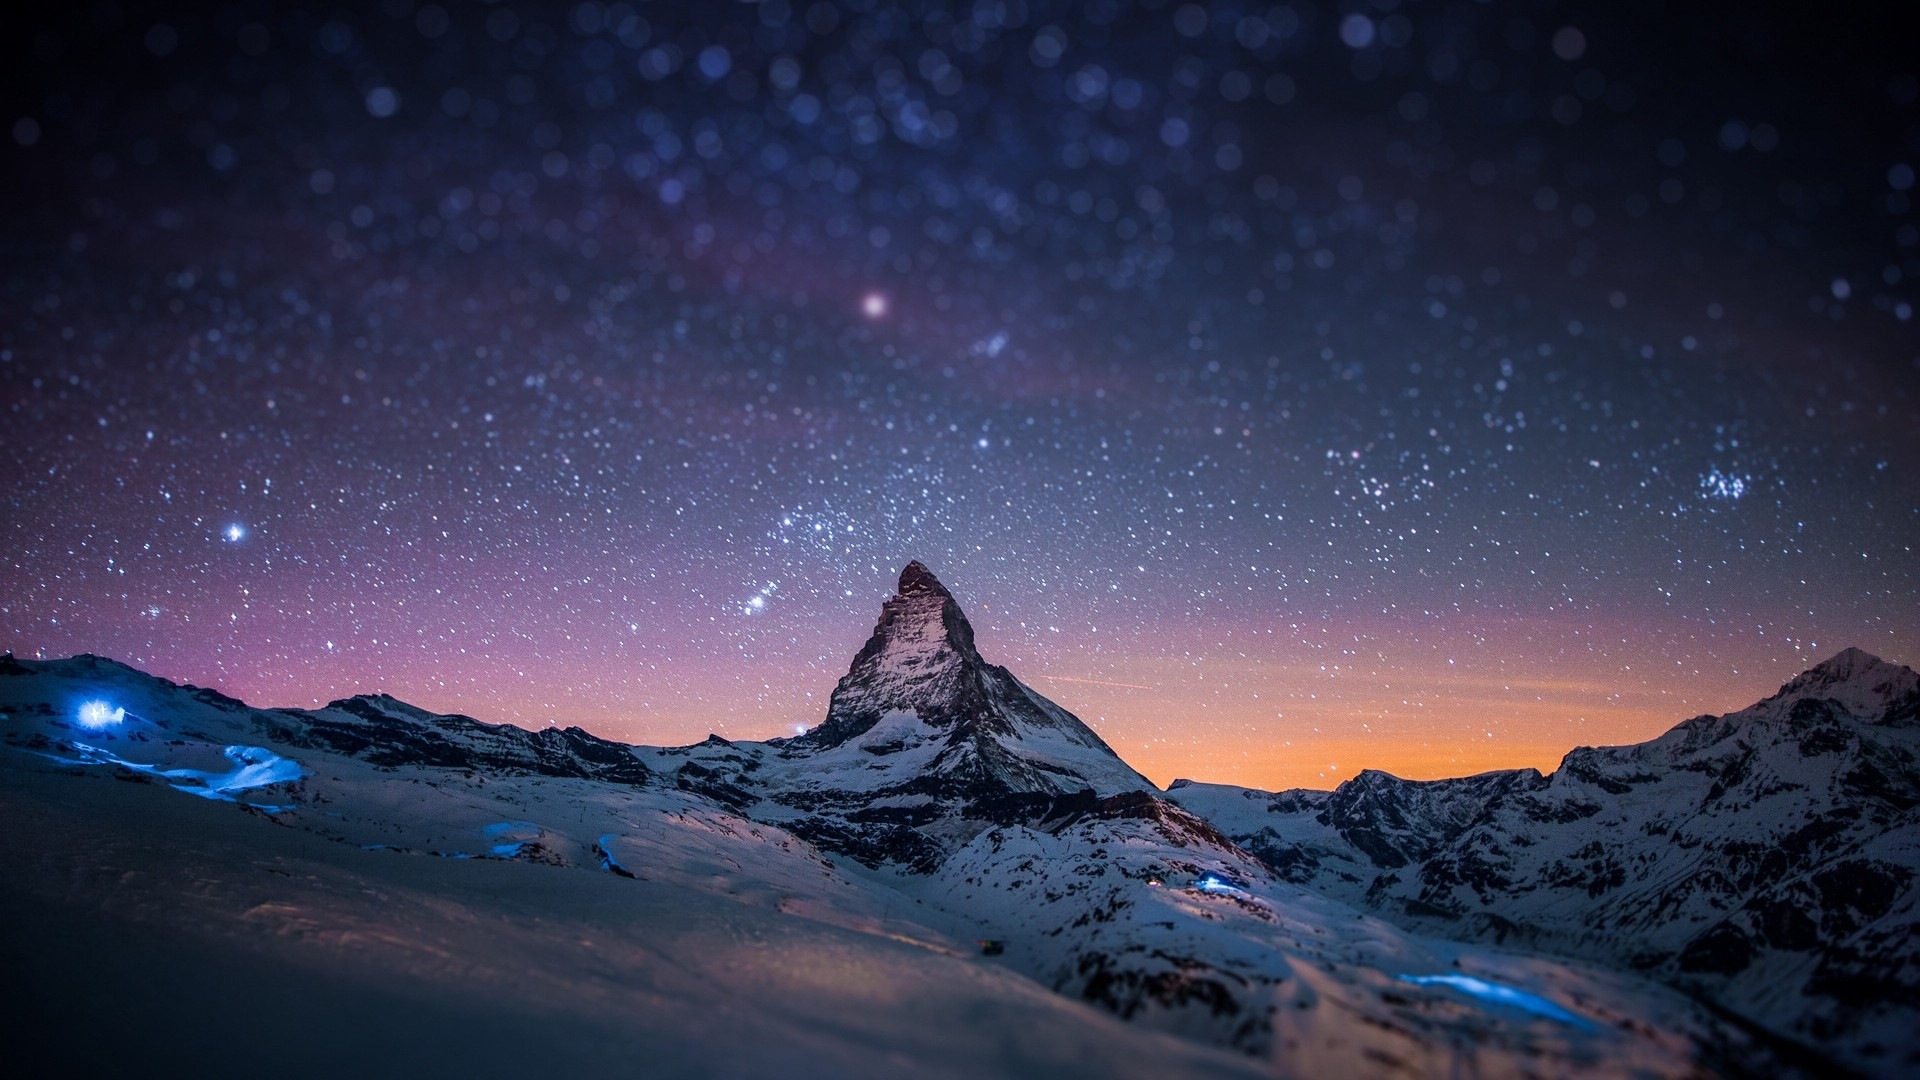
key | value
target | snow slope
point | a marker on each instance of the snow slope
(144, 931)
(390, 917)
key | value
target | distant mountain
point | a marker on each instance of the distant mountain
(1765, 859)
(919, 682)
(394, 734)
(924, 745)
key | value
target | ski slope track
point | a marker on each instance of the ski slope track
(949, 876)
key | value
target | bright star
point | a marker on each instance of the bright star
(236, 532)
(874, 305)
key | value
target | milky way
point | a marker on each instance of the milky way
(1287, 389)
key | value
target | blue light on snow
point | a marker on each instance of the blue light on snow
(607, 861)
(510, 836)
(96, 715)
(1502, 995)
(507, 828)
(253, 767)
(1219, 886)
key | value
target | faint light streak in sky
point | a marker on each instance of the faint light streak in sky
(1095, 682)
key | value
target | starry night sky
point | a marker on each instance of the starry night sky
(1284, 388)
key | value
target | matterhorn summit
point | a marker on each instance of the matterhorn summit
(920, 660)
(925, 745)
(920, 684)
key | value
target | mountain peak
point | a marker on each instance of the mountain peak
(1862, 682)
(916, 579)
(919, 681)
(917, 660)
(1847, 663)
(920, 626)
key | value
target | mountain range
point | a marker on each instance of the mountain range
(1763, 860)
(952, 874)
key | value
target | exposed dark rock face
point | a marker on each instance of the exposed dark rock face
(391, 733)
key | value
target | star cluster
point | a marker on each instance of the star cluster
(1285, 388)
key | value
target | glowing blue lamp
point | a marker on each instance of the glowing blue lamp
(98, 715)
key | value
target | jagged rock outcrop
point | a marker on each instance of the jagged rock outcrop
(389, 732)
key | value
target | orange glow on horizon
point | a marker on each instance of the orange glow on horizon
(1319, 744)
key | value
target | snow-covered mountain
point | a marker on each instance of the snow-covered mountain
(920, 683)
(924, 745)
(952, 870)
(1765, 860)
